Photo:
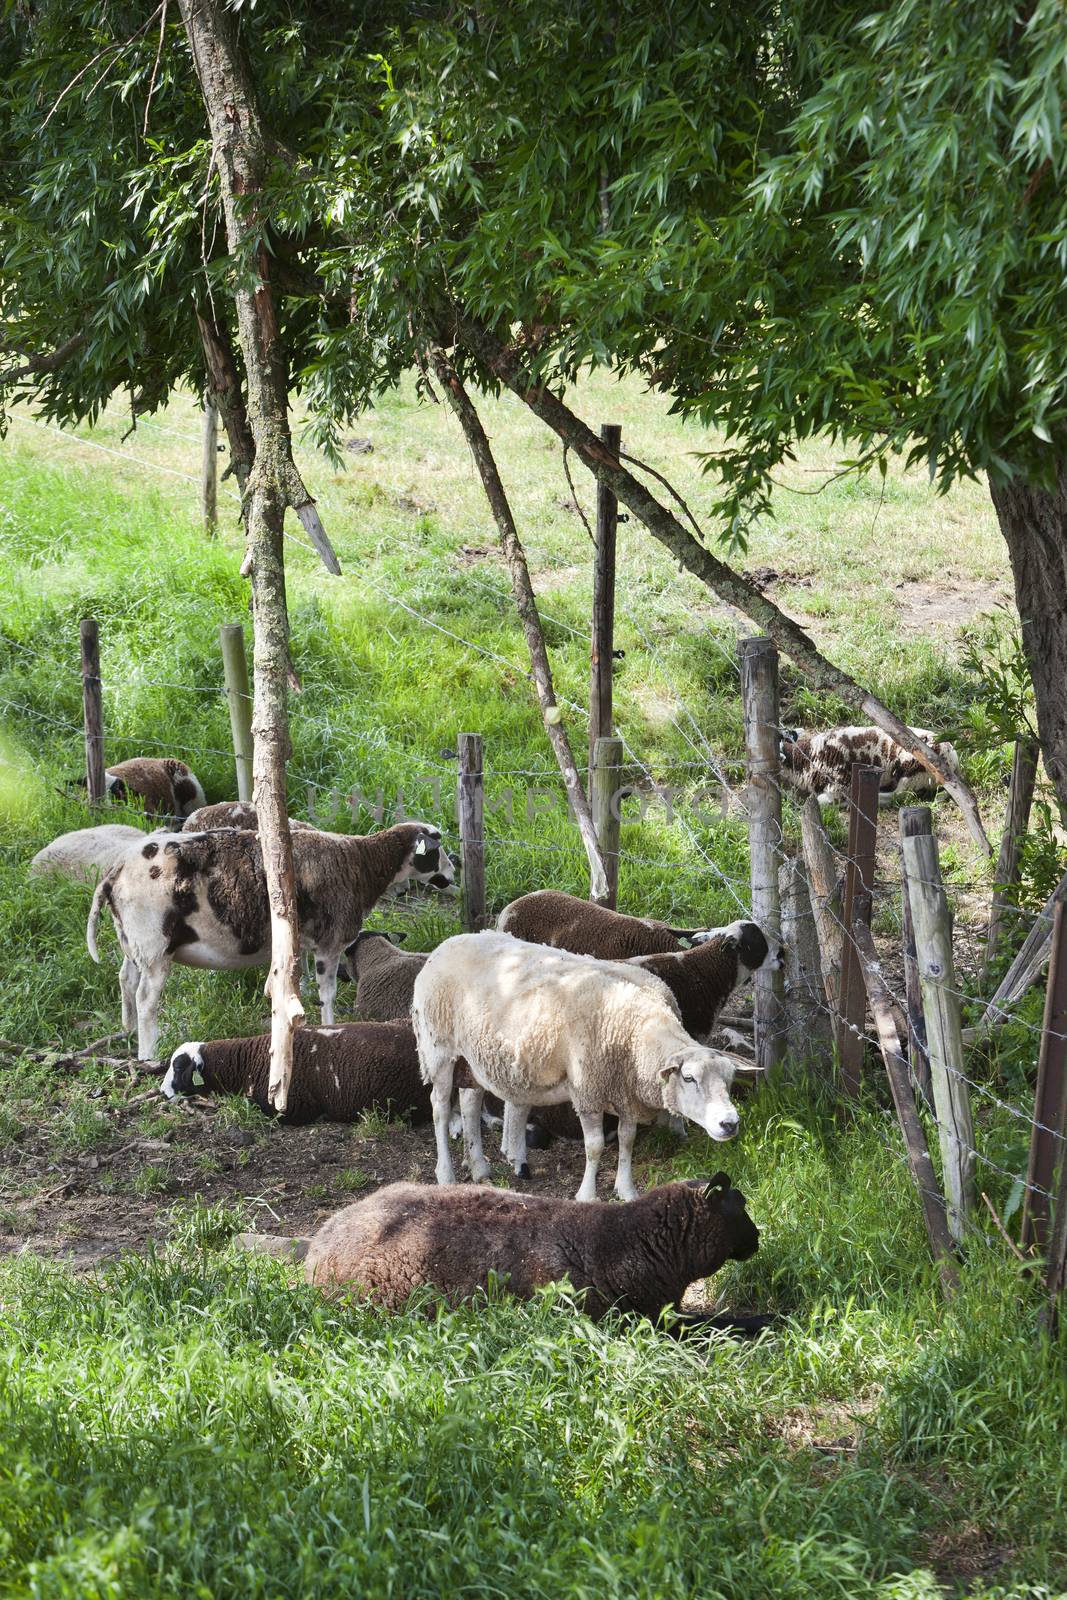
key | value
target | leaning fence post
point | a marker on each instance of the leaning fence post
(918, 1151)
(603, 636)
(808, 1021)
(1046, 1139)
(209, 468)
(937, 980)
(1020, 799)
(235, 671)
(859, 888)
(93, 710)
(469, 804)
(826, 886)
(914, 820)
(605, 799)
(763, 801)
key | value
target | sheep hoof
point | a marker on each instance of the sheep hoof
(523, 1171)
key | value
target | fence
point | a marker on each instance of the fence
(839, 981)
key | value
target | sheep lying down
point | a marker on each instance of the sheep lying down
(639, 1258)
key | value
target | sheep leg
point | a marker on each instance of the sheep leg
(129, 977)
(593, 1132)
(326, 974)
(149, 989)
(470, 1105)
(513, 1138)
(440, 1078)
(624, 1182)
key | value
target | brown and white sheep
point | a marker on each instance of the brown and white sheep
(201, 899)
(338, 1072)
(168, 788)
(703, 978)
(548, 916)
(638, 1258)
(821, 763)
(233, 814)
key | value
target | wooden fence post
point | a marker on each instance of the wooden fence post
(914, 820)
(808, 1022)
(826, 888)
(469, 804)
(922, 1168)
(1020, 799)
(763, 801)
(605, 797)
(209, 468)
(1027, 965)
(93, 711)
(859, 888)
(932, 919)
(603, 641)
(1046, 1139)
(235, 671)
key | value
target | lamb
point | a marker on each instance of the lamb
(703, 978)
(638, 1258)
(201, 899)
(548, 916)
(86, 853)
(539, 1026)
(337, 1072)
(821, 763)
(232, 814)
(169, 788)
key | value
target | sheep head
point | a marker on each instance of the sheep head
(427, 861)
(695, 1083)
(186, 1071)
(721, 1200)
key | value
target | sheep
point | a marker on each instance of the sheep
(821, 763)
(538, 1026)
(233, 814)
(337, 1072)
(703, 978)
(168, 788)
(548, 916)
(201, 899)
(86, 853)
(638, 1258)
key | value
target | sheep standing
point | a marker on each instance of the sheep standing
(337, 1072)
(201, 899)
(538, 1027)
(168, 788)
(86, 853)
(703, 978)
(821, 763)
(548, 916)
(638, 1258)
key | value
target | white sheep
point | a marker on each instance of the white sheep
(87, 853)
(538, 1026)
(201, 899)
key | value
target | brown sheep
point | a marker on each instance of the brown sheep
(233, 814)
(702, 979)
(168, 788)
(639, 1257)
(548, 916)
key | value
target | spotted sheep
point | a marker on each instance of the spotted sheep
(537, 1026)
(168, 788)
(821, 763)
(201, 899)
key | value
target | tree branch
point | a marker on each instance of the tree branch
(728, 584)
(40, 366)
(526, 603)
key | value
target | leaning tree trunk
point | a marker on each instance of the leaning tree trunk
(731, 586)
(526, 604)
(241, 158)
(1034, 524)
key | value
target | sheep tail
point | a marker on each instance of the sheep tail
(94, 918)
(424, 1044)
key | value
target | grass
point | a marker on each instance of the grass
(196, 1423)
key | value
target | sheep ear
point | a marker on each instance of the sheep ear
(672, 1065)
(715, 1186)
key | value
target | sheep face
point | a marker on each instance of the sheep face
(696, 1085)
(429, 863)
(186, 1071)
(719, 1196)
(754, 950)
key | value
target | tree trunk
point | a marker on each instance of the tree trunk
(241, 158)
(526, 603)
(224, 383)
(736, 590)
(1034, 524)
